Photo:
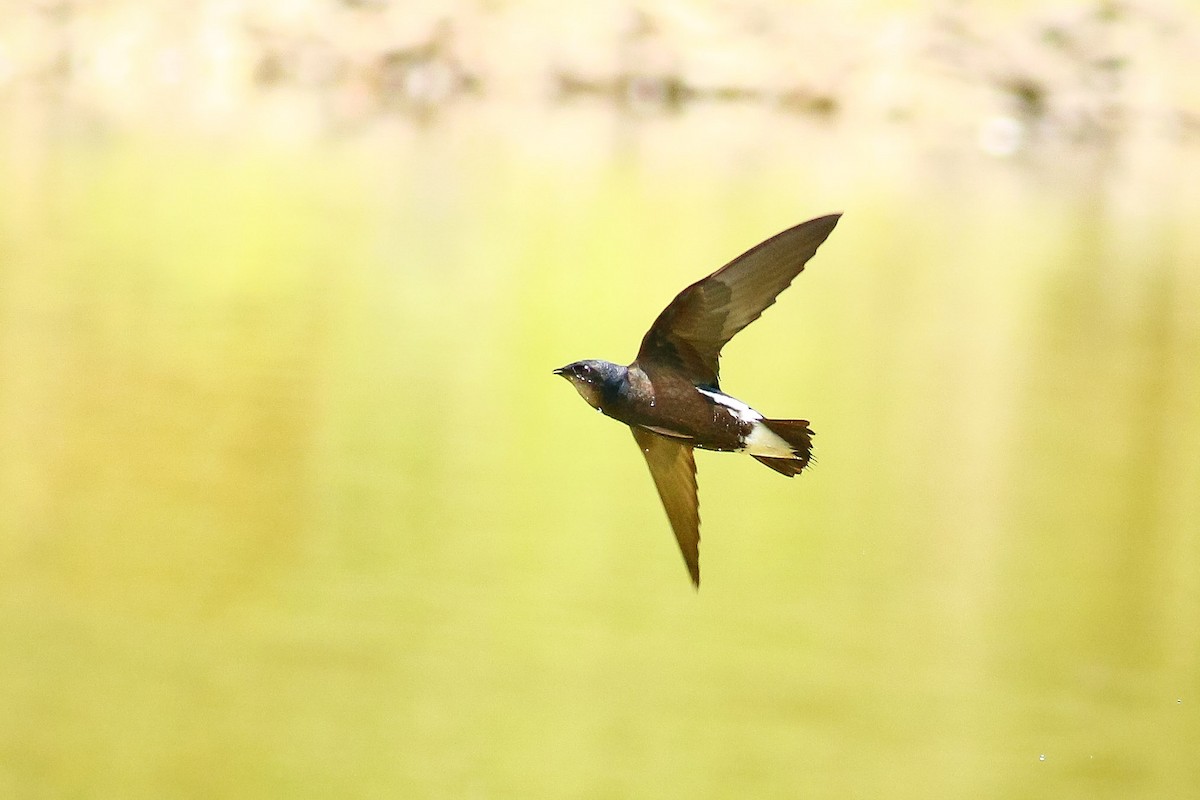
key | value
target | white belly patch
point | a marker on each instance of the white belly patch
(740, 410)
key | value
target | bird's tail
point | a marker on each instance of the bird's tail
(799, 436)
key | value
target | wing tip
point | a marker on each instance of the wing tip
(828, 221)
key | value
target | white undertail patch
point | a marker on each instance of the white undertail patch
(762, 441)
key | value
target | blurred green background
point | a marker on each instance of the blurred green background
(291, 505)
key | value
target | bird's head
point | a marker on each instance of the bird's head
(594, 380)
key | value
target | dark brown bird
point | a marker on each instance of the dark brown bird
(670, 396)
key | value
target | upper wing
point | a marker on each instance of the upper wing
(691, 331)
(674, 471)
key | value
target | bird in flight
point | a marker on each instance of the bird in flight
(670, 396)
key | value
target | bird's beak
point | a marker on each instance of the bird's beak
(561, 371)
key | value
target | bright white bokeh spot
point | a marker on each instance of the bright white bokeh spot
(1001, 136)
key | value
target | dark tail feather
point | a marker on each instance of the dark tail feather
(796, 433)
(784, 466)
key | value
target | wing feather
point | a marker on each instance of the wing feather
(673, 468)
(691, 331)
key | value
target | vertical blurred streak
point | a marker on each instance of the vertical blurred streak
(1176, 256)
(1097, 489)
(30, 254)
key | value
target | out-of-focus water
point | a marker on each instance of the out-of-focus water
(291, 505)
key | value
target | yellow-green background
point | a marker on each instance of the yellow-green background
(292, 506)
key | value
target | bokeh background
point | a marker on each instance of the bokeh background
(292, 506)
